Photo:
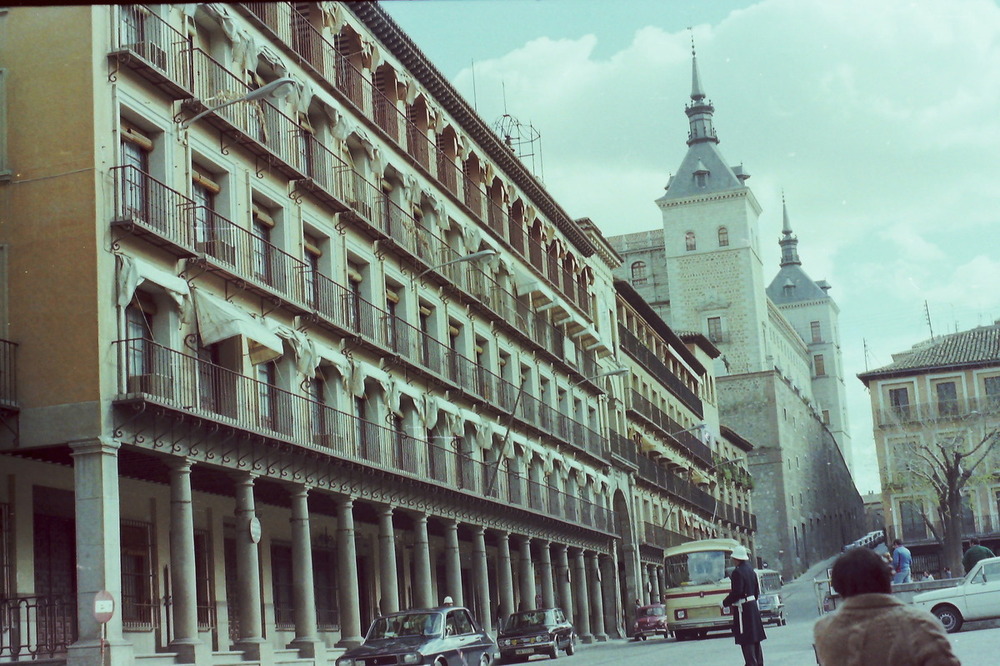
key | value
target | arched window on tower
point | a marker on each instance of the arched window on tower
(639, 272)
(723, 237)
(690, 244)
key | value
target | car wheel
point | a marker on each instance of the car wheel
(681, 635)
(554, 652)
(571, 648)
(643, 636)
(949, 617)
(485, 660)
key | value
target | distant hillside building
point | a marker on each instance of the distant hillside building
(780, 379)
(938, 389)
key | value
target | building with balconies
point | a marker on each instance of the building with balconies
(946, 389)
(301, 341)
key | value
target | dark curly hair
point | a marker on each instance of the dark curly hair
(861, 571)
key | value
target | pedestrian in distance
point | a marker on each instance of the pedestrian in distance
(975, 553)
(901, 561)
(946, 573)
(748, 630)
(871, 626)
(928, 576)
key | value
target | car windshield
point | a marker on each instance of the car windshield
(407, 624)
(525, 619)
(653, 611)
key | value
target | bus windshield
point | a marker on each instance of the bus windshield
(701, 568)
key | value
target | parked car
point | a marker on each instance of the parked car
(431, 636)
(770, 603)
(976, 597)
(540, 631)
(650, 620)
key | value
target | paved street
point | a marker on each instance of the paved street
(790, 645)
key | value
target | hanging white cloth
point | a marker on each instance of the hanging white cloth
(134, 271)
(220, 320)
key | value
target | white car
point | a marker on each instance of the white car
(977, 597)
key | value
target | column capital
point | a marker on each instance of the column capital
(179, 463)
(478, 530)
(243, 478)
(105, 445)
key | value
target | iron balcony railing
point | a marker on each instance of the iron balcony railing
(917, 530)
(298, 33)
(8, 373)
(37, 627)
(158, 52)
(942, 410)
(651, 472)
(193, 386)
(631, 344)
(671, 428)
(623, 447)
(145, 202)
(661, 537)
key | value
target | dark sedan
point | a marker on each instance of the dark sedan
(443, 636)
(542, 631)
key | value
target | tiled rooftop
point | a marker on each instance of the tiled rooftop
(978, 345)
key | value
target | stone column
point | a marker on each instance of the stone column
(98, 552)
(563, 586)
(609, 587)
(527, 576)
(251, 640)
(388, 581)
(303, 588)
(453, 563)
(594, 580)
(661, 584)
(481, 570)
(422, 594)
(646, 591)
(347, 587)
(545, 564)
(183, 578)
(582, 598)
(505, 577)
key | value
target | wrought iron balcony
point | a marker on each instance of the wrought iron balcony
(661, 537)
(917, 531)
(37, 627)
(152, 372)
(670, 428)
(147, 44)
(656, 367)
(941, 411)
(651, 472)
(152, 210)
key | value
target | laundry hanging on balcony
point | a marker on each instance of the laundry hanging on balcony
(220, 320)
(133, 271)
(304, 349)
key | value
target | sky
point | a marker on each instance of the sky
(879, 120)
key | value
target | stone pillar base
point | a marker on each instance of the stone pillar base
(601, 638)
(256, 649)
(98, 653)
(586, 638)
(191, 651)
(309, 648)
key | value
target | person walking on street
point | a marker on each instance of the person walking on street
(871, 626)
(901, 561)
(748, 630)
(974, 554)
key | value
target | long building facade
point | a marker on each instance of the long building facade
(779, 372)
(292, 339)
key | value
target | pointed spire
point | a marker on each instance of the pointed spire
(700, 111)
(789, 243)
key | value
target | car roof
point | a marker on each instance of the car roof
(537, 610)
(434, 609)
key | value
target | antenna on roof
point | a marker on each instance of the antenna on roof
(475, 97)
(927, 314)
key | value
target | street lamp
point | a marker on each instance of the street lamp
(607, 373)
(276, 89)
(475, 256)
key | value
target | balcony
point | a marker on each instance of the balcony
(150, 209)
(943, 411)
(656, 367)
(148, 45)
(674, 485)
(154, 373)
(671, 428)
(917, 532)
(622, 449)
(257, 126)
(37, 627)
(660, 537)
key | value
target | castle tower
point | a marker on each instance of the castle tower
(813, 314)
(713, 265)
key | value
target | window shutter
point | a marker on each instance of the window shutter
(135, 135)
(200, 178)
(261, 215)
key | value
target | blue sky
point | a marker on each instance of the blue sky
(880, 121)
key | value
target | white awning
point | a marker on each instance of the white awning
(220, 320)
(133, 272)
(306, 355)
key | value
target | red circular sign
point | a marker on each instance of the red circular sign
(104, 606)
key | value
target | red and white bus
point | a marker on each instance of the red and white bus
(697, 578)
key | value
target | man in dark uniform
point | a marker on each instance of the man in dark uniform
(747, 626)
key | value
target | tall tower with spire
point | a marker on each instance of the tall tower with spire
(813, 314)
(713, 265)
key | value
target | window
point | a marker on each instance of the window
(137, 575)
(312, 274)
(325, 584)
(139, 333)
(715, 329)
(207, 224)
(947, 398)
(968, 516)
(135, 149)
(261, 225)
(817, 333)
(819, 364)
(826, 417)
(205, 592)
(317, 411)
(690, 244)
(723, 237)
(281, 585)
(6, 544)
(266, 402)
(991, 387)
(899, 400)
(911, 513)
(639, 272)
